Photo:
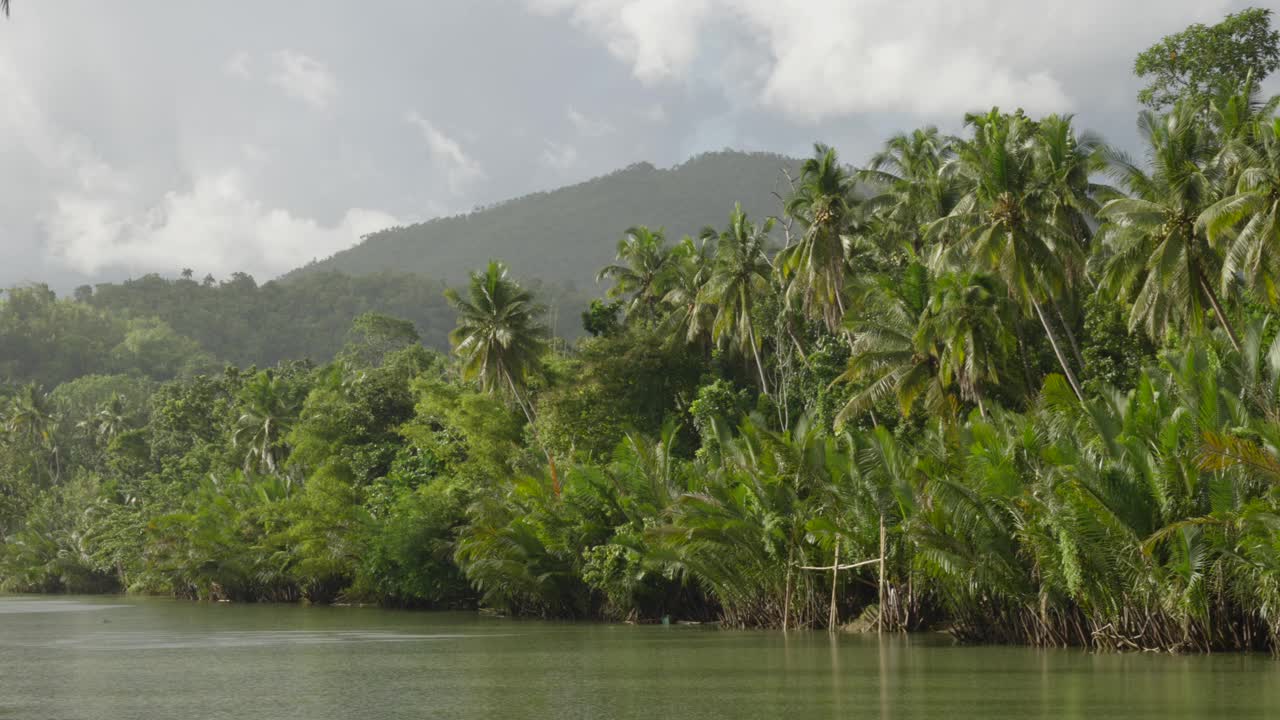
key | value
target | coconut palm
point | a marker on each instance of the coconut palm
(1238, 116)
(893, 347)
(645, 264)
(814, 265)
(740, 275)
(31, 416)
(1247, 222)
(691, 315)
(1160, 253)
(499, 337)
(1065, 161)
(971, 320)
(1005, 218)
(33, 419)
(269, 409)
(919, 337)
(914, 191)
(109, 420)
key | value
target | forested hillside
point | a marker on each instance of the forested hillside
(240, 321)
(566, 235)
(163, 328)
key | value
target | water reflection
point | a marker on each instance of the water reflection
(23, 606)
(161, 659)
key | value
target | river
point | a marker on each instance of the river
(95, 658)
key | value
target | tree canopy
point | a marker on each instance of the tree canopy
(1205, 61)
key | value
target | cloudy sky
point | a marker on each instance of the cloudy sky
(156, 135)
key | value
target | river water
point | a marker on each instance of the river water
(138, 659)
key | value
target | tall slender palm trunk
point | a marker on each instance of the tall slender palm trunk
(1066, 328)
(1057, 350)
(755, 350)
(1217, 310)
(528, 414)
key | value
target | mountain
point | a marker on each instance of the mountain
(564, 236)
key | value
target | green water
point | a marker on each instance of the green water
(99, 658)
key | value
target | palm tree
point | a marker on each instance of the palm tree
(1247, 221)
(1006, 217)
(269, 409)
(32, 417)
(1160, 254)
(691, 315)
(110, 419)
(893, 353)
(1065, 160)
(1238, 116)
(914, 190)
(970, 319)
(645, 263)
(815, 264)
(917, 336)
(498, 336)
(740, 274)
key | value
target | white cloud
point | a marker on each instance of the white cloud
(215, 225)
(841, 57)
(120, 141)
(239, 65)
(460, 169)
(304, 78)
(559, 156)
(587, 125)
(658, 37)
(95, 216)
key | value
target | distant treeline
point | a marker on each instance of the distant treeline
(162, 328)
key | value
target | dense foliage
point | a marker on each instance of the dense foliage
(973, 388)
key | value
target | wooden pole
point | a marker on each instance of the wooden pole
(835, 573)
(786, 600)
(880, 615)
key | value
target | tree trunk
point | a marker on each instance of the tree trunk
(799, 348)
(1217, 309)
(1022, 353)
(528, 413)
(1057, 351)
(751, 338)
(1071, 336)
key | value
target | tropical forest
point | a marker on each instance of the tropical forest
(1015, 383)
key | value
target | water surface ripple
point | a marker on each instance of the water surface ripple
(143, 659)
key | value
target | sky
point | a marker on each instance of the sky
(257, 135)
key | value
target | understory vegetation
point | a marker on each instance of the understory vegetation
(1013, 384)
